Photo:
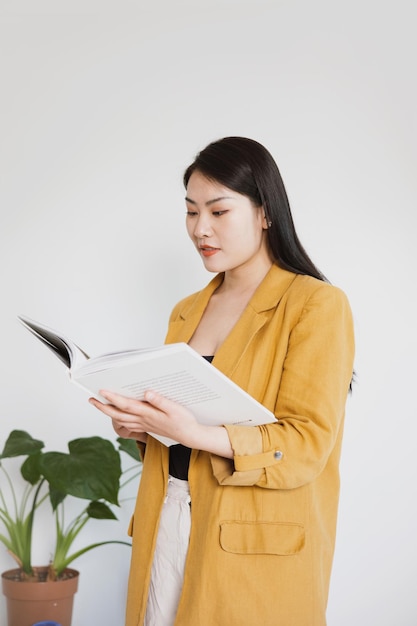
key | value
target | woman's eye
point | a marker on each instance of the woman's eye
(190, 213)
(219, 213)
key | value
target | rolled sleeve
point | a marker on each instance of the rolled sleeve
(249, 461)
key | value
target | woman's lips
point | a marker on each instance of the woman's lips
(208, 250)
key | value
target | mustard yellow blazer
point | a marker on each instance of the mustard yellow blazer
(264, 523)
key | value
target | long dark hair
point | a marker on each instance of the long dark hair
(245, 166)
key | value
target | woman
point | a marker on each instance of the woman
(236, 525)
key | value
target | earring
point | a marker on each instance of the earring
(269, 224)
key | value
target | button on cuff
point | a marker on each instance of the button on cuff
(248, 462)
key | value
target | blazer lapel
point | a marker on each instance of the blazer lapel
(255, 315)
(189, 317)
(253, 318)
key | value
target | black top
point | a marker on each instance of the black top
(179, 455)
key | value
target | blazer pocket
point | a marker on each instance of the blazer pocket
(280, 538)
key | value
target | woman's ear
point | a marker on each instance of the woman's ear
(265, 222)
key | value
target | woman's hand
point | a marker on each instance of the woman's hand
(124, 433)
(156, 414)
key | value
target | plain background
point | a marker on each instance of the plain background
(103, 104)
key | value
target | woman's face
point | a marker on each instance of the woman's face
(227, 230)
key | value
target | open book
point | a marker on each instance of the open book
(173, 370)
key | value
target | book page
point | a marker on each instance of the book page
(181, 375)
(180, 387)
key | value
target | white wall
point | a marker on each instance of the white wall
(103, 104)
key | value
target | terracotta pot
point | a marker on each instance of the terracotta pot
(31, 602)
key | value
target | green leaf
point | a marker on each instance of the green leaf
(56, 497)
(59, 567)
(100, 510)
(20, 443)
(91, 470)
(129, 446)
(31, 470)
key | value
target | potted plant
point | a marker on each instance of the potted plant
(90, 471)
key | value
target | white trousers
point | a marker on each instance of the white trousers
(170, 553)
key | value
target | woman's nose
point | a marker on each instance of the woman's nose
(202, 228)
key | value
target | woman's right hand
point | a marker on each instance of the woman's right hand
(125, 433)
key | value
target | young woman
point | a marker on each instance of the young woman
(236, 525)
